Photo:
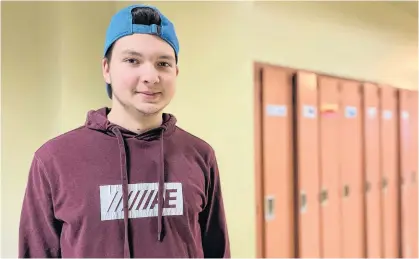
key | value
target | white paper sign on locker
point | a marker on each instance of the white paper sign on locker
(387, 114)
(309, 111)
(276, 110)
(372, 112)
(350, 112)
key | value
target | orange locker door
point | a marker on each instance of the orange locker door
(352, 180)
(405, 141)
(390, 172)
(307, 147)
(372, 170)
(277, 163)
(329, 167)
(413, 176)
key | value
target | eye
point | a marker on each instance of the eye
(164, 64)
(131, 60)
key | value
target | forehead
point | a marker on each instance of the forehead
(143, 43)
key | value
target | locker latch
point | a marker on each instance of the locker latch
(346, 191)
(323, 196)
(303, 202)
(367, 186)
(269, 207)
(384, 183)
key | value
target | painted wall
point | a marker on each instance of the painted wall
(51, 54)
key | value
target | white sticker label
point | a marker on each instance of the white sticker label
(350, 112)
(309, 111)
(387, 115)
(372, 111)
(276, 110)
(405, 115)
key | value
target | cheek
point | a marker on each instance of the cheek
(124, 79)
(170, 87)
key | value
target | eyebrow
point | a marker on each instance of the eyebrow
(167, 57)
(132, 52)
(138, 54)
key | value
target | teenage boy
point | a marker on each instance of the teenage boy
(129, 182)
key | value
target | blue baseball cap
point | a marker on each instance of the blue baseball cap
(121, 25)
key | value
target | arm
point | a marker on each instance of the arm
(215, 239)
(39, 231)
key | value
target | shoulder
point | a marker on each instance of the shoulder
(60, 144)
(192, 142)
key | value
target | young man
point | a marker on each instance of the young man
(129, 183)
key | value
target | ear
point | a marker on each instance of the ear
(177, 70)
(105, 70)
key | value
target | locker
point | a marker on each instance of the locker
(408, 171)
(390, 173)
(329, 121)
(351, 171)
(414, 174)
(278, 163)
(307, 147)
(372, 170)
(406, 151)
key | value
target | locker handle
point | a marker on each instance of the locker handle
(402, 181)
(323, 196)
(384, 183)
(413, 176)
(367, 186)
(269, 203)
(346, 191)
(303, 202)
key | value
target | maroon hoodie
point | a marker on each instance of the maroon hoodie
(103, 191)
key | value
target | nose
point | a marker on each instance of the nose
(149, 74)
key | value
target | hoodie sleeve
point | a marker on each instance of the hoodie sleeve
(39, 230)
(215, 239)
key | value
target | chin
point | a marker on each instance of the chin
(149, 109)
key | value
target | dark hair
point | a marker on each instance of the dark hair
(140, 15)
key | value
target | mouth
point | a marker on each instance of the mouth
(149, 95)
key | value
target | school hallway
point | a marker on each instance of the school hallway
(311, 108)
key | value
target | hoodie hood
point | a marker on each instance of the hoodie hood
(98, 120)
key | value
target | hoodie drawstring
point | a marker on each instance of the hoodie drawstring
(161, 190)
(124, 176)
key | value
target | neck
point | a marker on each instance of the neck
(133, 120)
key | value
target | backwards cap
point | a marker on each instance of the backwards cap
(122, 25)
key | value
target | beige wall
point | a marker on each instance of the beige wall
(29, 81)
(51, 76)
